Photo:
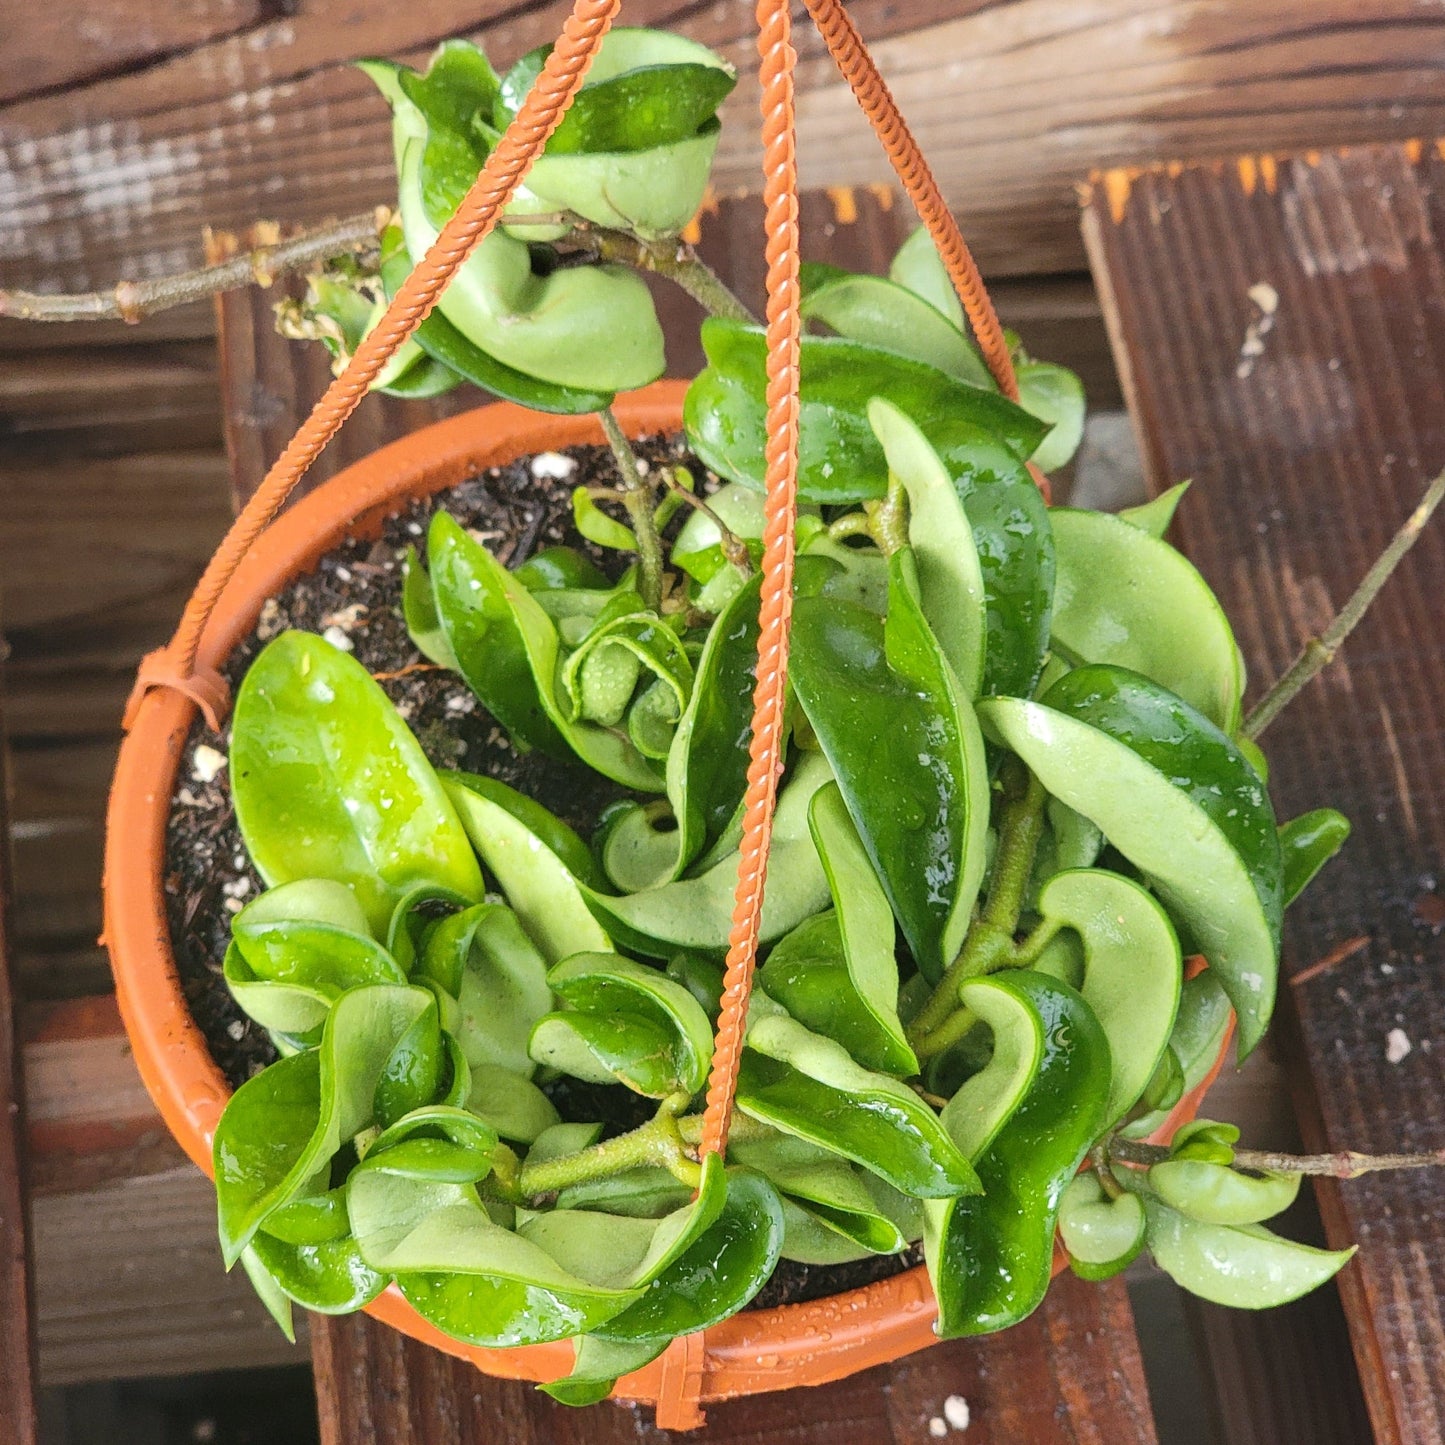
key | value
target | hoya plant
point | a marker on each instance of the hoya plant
(1025, 875)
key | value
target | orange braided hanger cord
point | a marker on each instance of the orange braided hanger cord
(476, 217)
(871, 90)
(765, 750)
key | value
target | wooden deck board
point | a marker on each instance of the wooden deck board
(124, 149)
(1310, 436)
(18, 1421)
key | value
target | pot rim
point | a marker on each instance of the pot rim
(754, 1351)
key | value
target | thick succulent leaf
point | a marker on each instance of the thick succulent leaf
(837, 973)
(635, 1023)
(989, 1254)
(1155, 515)
(446, 346)
(502, 990)
(330, 1278)
(1307, 843)
(329, 783)
(515, 1107)
(1124, 597)
(918, 266)
(1216, 1194)
(808, 1086)
(950, 578)
(976, 432)
(546, 896)
(1102, 1235)
(1132, 970)
(1245, 1267)
(1055, 395)
(1175, 797)
(905, 747)
(886, 314)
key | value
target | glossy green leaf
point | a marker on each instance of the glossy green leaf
(1102, 1234)
(1155, 515)
(1198, 1037)
(645, 88)
(653, 87)
(837, 972)
(1056, 395)
(1244, 1267)
(473, 1279)
(905, 748)
(1307, 844)
(330, 1278)
(833, 1212)
(294, 954)
(950, 578)
(1132, 970)
(1015, 544)
(976, 432)
(597, 526)
(808, 1086)
(269, 1292)
(502, 990)
(1177, 799)
(1124, 597)
(599, 1365)
(1217, 1194)
(989, 1255)
(918, 266)
(514, 1106)
(888, 315)
(419, 611)
(626, 642)
(718, 1274)
(446, 345)
(632, 1023)
(282, 1127)
(696, 913)
(546, 896)
(329, 783)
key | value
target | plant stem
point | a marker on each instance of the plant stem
(733, 546)
(656, 1142)
(669, 257)
(637, 498)
(888, 518)
(129, 301)
(989, 945)
(1347, 1164)
(1320, 651)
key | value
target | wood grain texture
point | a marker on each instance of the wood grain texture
(1070, 1374)
(1309, 445)
(128, 1275)
(1015, 100)
(18, 1421)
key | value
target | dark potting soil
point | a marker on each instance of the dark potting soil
(353, 598)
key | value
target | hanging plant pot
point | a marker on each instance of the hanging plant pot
(754, 1351)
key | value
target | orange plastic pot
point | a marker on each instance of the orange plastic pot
(756, 1351)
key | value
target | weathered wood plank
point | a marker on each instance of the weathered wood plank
(18, 1421)
(80, 401)
(1308, 414)
(51, 46)
(1015, 101)
(1081, 1378)
(1070, 1373)
(128, 1275)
